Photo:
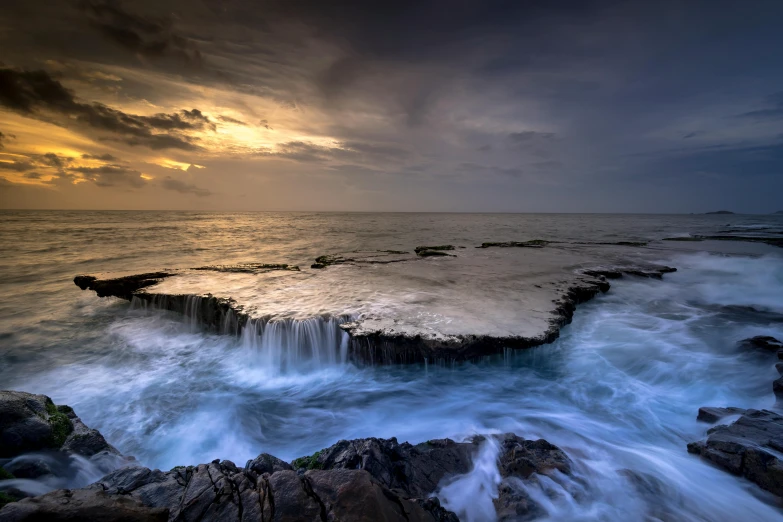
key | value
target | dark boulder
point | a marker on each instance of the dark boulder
(763, 342)
(749, 447)
(30, 422)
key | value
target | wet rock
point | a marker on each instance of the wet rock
(535, 243)
(410, 470)
(521, 458)
(712, 415)
(220, 491)
(750, 447)
(94, 505)
(779, 366)
(122, 287)
(359, 480)
(763, 342)
(655, 272)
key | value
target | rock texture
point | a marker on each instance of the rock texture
(359, 480)
(750, 447)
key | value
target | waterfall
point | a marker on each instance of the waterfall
(288, 344)
(278, 344)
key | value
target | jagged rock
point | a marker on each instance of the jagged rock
(521, 458)
(750, 447)
(712, 415)
(418, 470)
(221, 491)
(266, 463)
(779, 366)
(763, 342)
(414, 471)
(777, 388)
(92, 505)
(360, 480)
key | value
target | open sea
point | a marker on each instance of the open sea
(618, 391)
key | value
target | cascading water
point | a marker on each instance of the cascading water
(285, 345)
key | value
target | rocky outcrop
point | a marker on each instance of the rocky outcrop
(33, 422)
(38, 439)
(122, 287)
(750, 447)
(359, 480)
(654, 272)
(380, 340)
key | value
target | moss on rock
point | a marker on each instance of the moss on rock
(310, 462)
(60, 423)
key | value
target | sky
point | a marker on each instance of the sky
(440, 105)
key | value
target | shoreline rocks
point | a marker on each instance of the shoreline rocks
(39, 439)
(357, 480)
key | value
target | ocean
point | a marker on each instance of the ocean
(618, 390)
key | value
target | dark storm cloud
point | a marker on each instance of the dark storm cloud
(100, 157)
(37, 94)
(16, 165)
(111, 175)
(500, 94)
(176, 185)
(144, 35)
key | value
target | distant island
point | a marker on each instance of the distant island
(778, 212)
(720, 212)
